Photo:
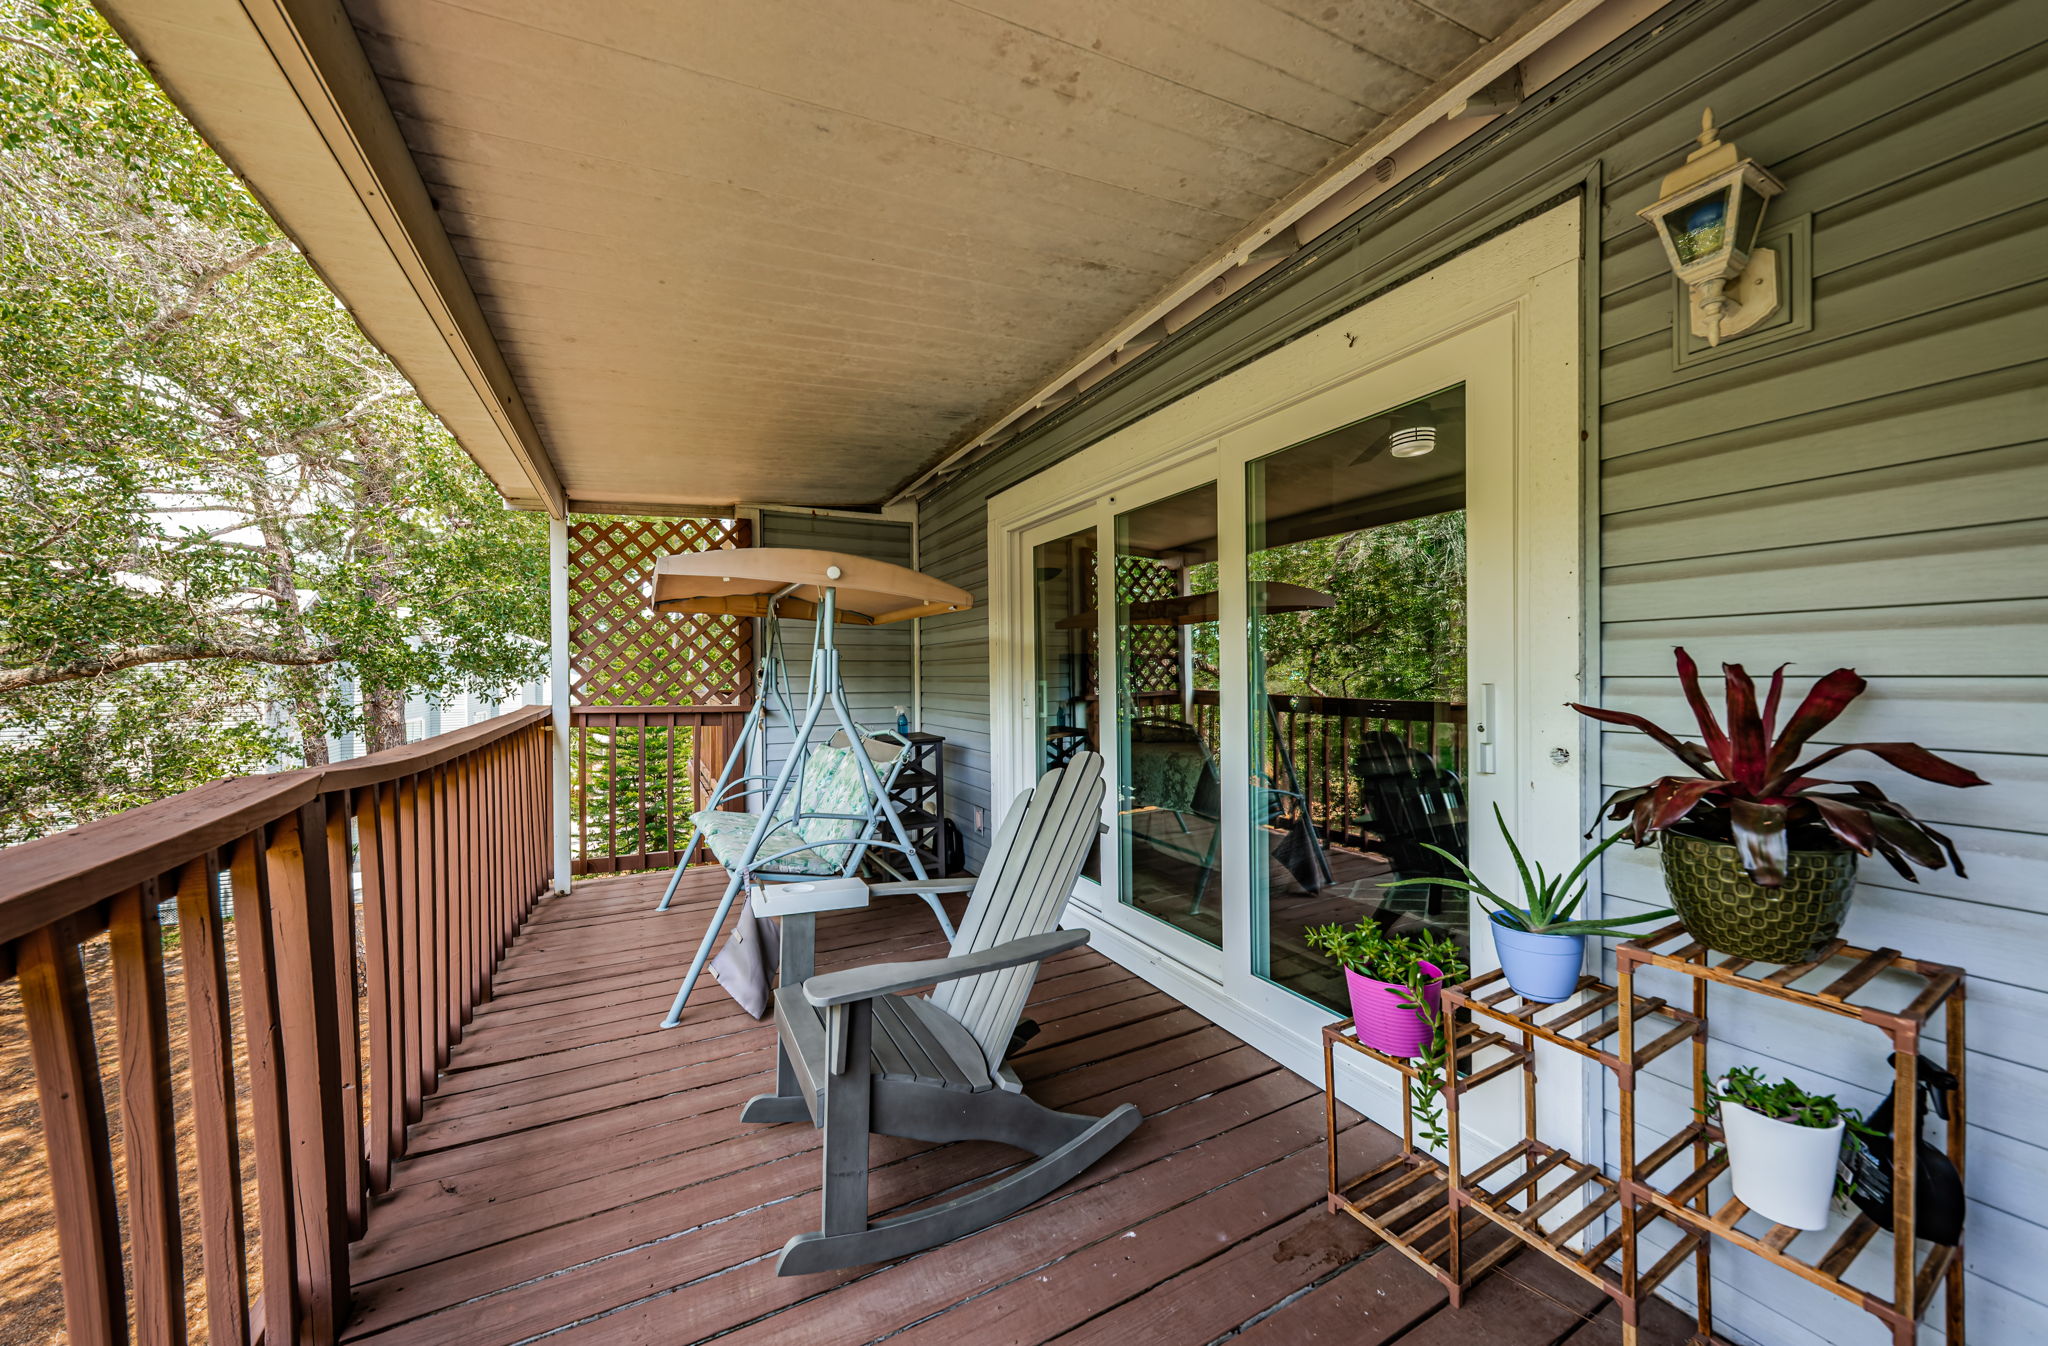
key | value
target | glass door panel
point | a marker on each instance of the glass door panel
(1169, 823)
(1356, 570)
(1067, 631)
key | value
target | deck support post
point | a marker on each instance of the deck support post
(558, 688)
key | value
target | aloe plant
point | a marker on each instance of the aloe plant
(1750, 787)
(1548, 900)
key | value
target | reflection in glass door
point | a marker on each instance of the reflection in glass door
(1170, 837)
(1066, 633)
(1356, 585)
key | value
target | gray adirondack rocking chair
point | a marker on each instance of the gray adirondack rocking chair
(858, 1058)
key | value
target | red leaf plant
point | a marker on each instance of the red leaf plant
(1750, 788)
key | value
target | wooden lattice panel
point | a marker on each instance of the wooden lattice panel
(622, 652)
(1151, 653)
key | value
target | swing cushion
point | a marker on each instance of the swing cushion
(727, 834)
(832, 783)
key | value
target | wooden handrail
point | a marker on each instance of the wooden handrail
(448, 842)
(59, 875)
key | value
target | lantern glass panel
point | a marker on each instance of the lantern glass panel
(1699, 229)
(1749, 218)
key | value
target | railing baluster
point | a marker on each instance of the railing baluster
(249, 874)
(302, 926)
(410, 884)
(374, 861)
(74, 1109)
(461, 896)
(341, 909)
(434, 896)
(216, 1128)
(148, 1130)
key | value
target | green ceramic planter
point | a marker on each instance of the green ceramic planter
(1726, 911)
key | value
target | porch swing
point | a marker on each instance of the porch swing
(827, 808)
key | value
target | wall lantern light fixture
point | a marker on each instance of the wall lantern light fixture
(1707, 214)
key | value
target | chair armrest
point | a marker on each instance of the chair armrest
(900, 887)
(865, 983)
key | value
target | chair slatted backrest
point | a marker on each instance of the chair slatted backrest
(1032, 866)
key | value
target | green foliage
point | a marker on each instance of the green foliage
(633, 792)
(1548, 901)
(1398, 628)
(215, 494)
(169, 729)
(1781, 1100)
(1370, 951)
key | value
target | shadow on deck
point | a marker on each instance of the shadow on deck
(582, 1173)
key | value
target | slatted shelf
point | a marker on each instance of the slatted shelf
(1850, 972)
(1880, 987)
(1586, 1022)
(1829, 1270)
(1405, 1200)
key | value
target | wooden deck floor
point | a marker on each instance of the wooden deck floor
(582, 1173)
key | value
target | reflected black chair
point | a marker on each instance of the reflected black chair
(1412, 802)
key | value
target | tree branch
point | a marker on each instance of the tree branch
(202, 286)
(77, 670)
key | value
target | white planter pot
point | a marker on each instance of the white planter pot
(1783, 1172)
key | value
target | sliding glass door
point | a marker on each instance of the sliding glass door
(1355, 562)
(1334, 620)
(1170, 828)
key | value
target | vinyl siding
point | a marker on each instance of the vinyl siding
(1871, 492)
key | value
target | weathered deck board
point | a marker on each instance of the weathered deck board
(582, 1173)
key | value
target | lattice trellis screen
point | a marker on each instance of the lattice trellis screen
(622, 652)
(1151, 653)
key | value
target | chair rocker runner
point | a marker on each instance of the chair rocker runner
(828, 807)
(857, 1058)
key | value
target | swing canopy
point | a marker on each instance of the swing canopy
(744, 582)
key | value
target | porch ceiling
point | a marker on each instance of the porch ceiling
(698, 254)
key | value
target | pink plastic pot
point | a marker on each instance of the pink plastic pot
(1385, 1022)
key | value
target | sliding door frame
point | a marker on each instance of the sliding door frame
(1504, 319)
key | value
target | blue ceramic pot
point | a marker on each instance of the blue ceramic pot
(1543, 968)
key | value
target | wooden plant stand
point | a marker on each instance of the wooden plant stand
(1403, 1200)
(1542, 1195)
(1827, 984)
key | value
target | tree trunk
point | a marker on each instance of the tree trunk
(312, 733)
(384, 717)
(383, 706)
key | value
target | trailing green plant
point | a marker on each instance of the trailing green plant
(1781, 1100)
(1371, 952)
(1784, 1101)
(1548, 901)
(1750, 787)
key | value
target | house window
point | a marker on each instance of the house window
(1356, 570)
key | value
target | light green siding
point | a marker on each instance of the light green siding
(1872, 492)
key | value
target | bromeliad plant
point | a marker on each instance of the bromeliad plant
(1548, 901)
(1750, 787)
(1370, 951)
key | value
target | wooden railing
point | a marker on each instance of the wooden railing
(636, 775)
(1326, 741)
(335, 928)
